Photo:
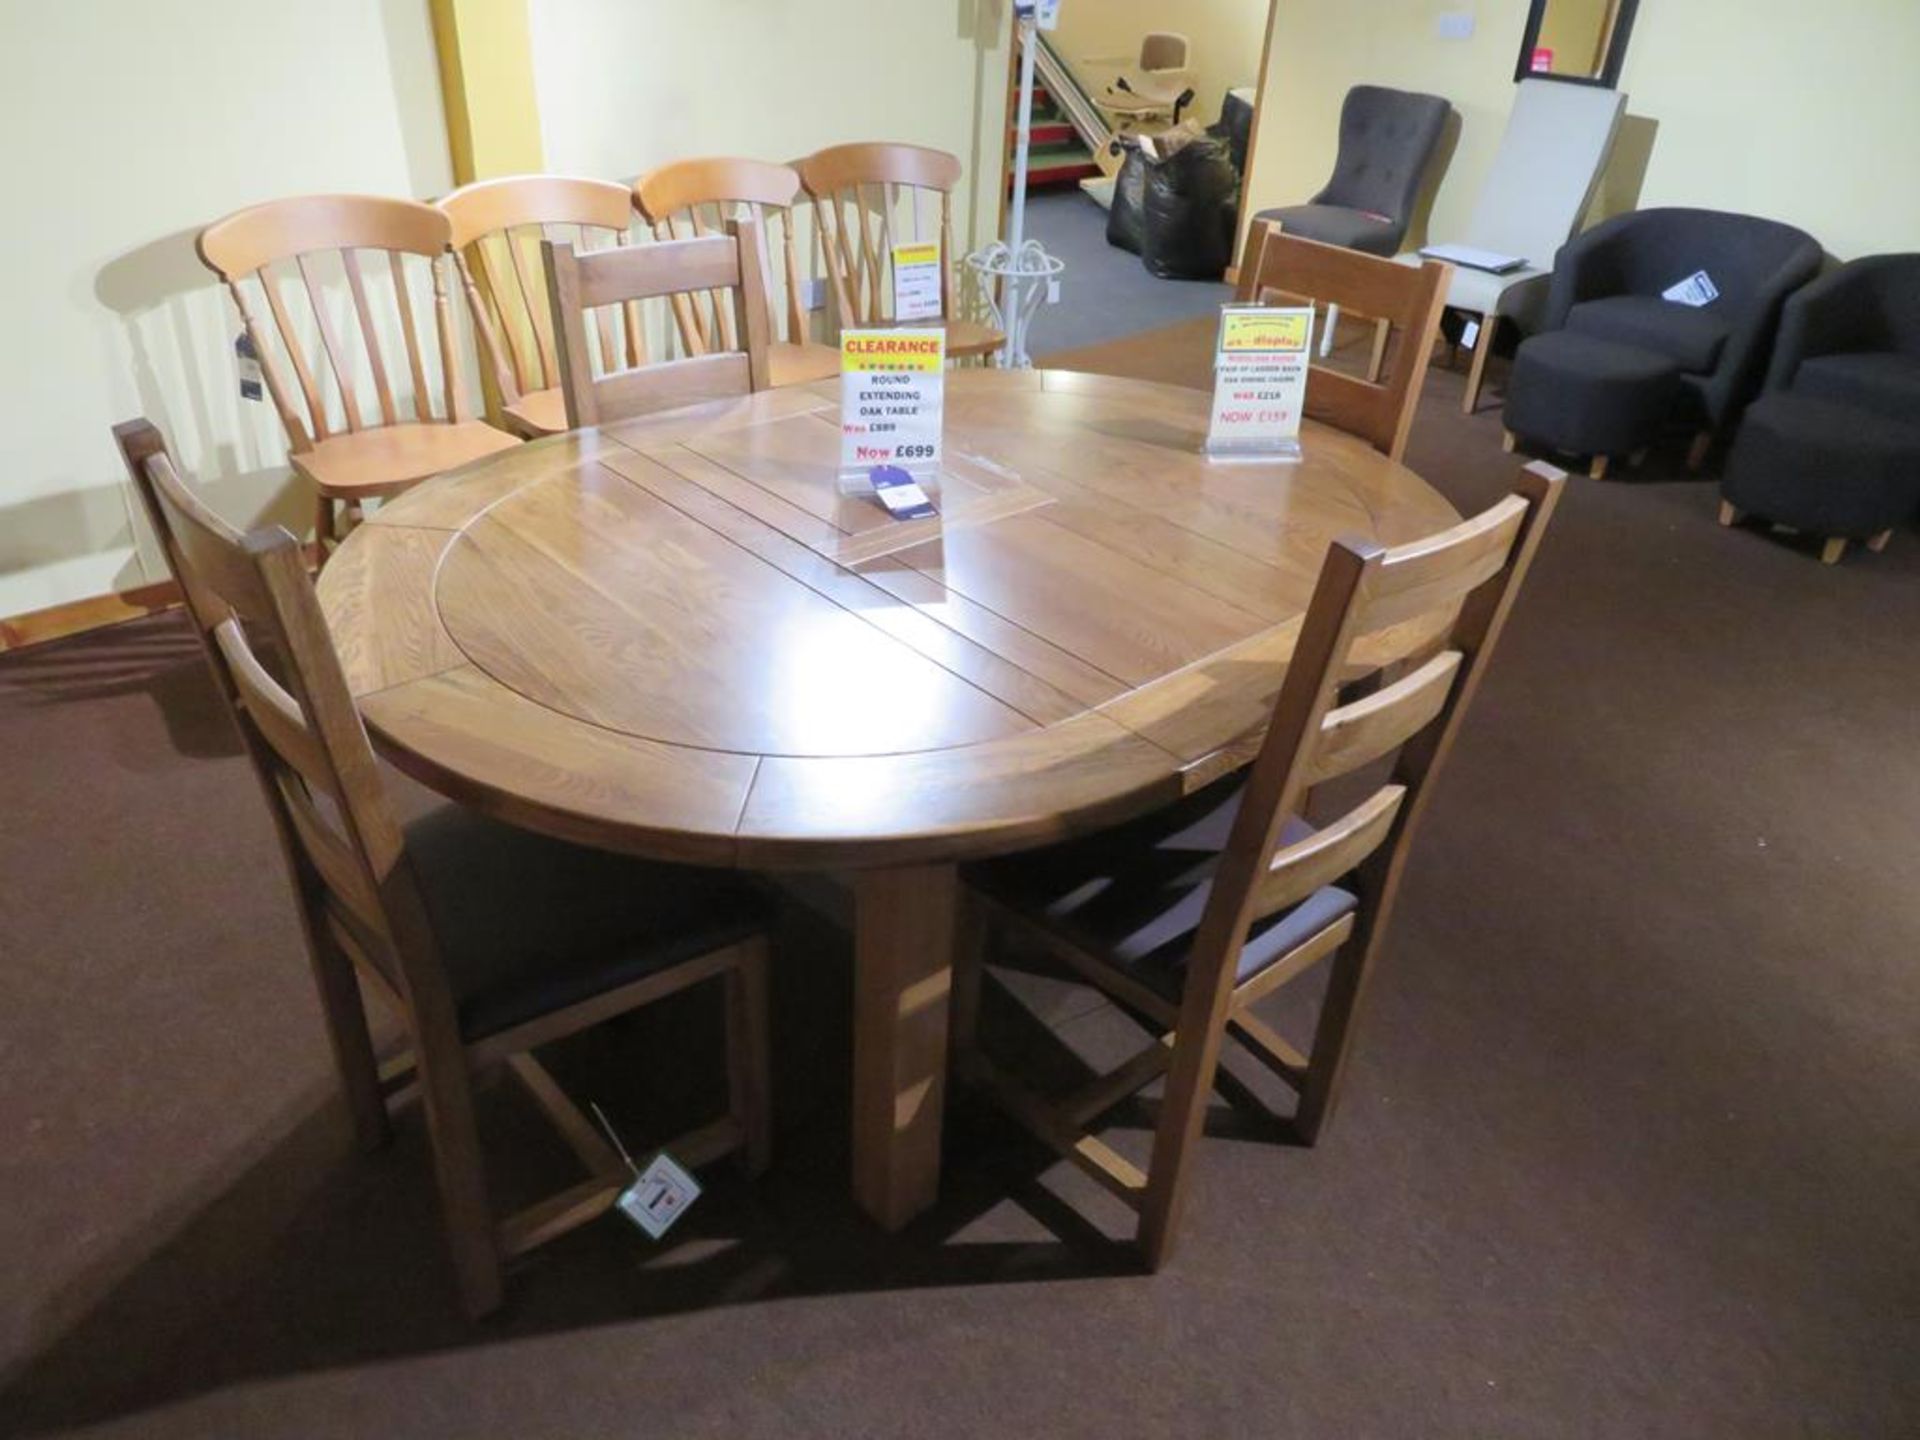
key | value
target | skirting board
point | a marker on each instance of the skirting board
(95, 612)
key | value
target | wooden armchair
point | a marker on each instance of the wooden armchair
(1187, 918)
(497, 228)
(348, 454)
(673, 199)
(867, 199)
(486, 939)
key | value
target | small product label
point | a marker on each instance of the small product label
(916, 282)
(1696, 290)
(659, 1197)
(248, 359)
(901, 494)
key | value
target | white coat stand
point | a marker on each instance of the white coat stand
(1024, 272)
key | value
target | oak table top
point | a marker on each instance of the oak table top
(673, 636)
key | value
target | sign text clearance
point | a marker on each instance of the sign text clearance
(916, 282)
(892, 391)
(1260, 381)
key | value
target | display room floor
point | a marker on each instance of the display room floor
(1630, 1150)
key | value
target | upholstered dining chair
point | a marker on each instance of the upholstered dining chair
(576, 284)
(348, 454)
(1189, 917)
(1402, 302)
(690, 198)
(487, 940)
(497, 228)
(867, 198)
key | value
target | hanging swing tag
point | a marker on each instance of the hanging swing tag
(248, 358)
(659, 1197)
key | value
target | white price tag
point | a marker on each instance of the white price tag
(916, 282)
(1260, 381)
(659, 1197)
(892, 394)
(1696, 290)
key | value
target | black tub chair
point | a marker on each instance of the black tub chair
(1387, 139)
(1833, 446)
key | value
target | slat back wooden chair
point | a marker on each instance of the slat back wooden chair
(1188, 917)
(867, 198)
(1403, 300)
(315, 360)
(691, 198)
(577, 284)
(487, 940)
(497, 229)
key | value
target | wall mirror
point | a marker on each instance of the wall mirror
(1580, 41)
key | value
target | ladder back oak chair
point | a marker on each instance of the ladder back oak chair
(1403, 300)
(349, 454)
(579, 283)
(1188, 917)
(498, 226)
(691, 198)
(867, 199)
(488, 940)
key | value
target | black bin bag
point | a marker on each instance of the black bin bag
(1125, 216)
(1191, 199)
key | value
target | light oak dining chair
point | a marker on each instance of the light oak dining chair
(1403, 301)
(867, 198)
(691, 198)
(576, 284)
(487, 940)
(497, 229)
(349, 455)
(1188, 917)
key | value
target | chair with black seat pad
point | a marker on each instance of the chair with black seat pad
(488, 940)
(1387, 140)
(1608, 286)
(1188, 917)
(1833, 447)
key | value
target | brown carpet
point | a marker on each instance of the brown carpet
(1632, 1147)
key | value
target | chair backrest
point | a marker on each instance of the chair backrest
(1163, 50)
(690, 198)
(275, 665)
(867, 199)
(497, 229)
(1556, 143)
(1409, 299)
(579, 283)
(254, 250)
(1476, 566)
(1386, 139)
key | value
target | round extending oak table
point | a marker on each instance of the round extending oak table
(674, 637)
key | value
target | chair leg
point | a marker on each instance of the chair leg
(446, 1090)
(1333, 1035)
(1183, 1110)
(1730, 513)
(1378, 359)
(1508, 441)
(1879, 542)
(749, 1071)
(1482, 348)
(353, 1056)
(1831, 552)
(1598, 469)
(1697, 452)
(323, 534)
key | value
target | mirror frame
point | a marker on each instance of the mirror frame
(1609, 76)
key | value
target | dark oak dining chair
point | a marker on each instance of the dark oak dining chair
(867, 198)
(487, 940)
(349, 454)
(497, 229)
(577, 284)
(690, 198)
(1401, 300)
(1188, 917)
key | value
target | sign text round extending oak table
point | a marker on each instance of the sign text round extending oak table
(674, 636)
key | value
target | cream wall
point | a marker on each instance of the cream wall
(625, 86)
(126, 135)
(1223, 38)
(1806, 113)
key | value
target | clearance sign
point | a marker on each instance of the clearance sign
(1260, 381)
(892, 392)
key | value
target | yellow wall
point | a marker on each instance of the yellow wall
(1805, 113)
(1223, 36)
(624, 87)
(126, 133)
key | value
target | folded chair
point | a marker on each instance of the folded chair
(1187, 918)
(348, 454)
(487, 940)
